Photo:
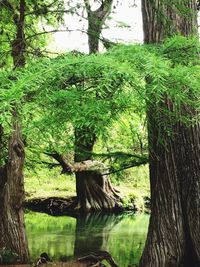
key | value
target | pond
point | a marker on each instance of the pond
(65, 238)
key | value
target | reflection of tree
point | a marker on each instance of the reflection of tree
(92, 232)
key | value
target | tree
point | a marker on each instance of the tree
(92, 188)
(83, 90)
(85, 136)
(37, 15)
(173, 236)
(12, 229)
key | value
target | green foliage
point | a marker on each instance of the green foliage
(37, 14)
(169, 74)
(83, 91)
(181, 50)
(89, 92)
(103, 92)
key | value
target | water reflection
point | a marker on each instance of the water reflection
(64, 238)
(92, 232)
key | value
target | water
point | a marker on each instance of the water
(65, 238)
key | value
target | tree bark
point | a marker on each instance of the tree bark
(173, 238)
(188, 166)
(163, 18)
(165, 244)
(12, 228)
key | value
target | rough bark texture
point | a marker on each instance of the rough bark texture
(12, 229)
(94, 190)
(165, 243)
(174, 229)
(163, 18)
(188, 166)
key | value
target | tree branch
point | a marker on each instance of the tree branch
(87, 165)
(52, 31)
(48, 11)
(66, 168)
(93, 165)
(125, 167)
(105, 8)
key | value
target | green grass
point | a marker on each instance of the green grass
(48, 183)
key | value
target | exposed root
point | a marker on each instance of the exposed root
(96, 193)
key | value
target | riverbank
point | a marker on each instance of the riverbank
(57, 206)
(49, 186)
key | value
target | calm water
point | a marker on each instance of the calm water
(65, 238)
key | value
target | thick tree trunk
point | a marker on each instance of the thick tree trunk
(94, 190)
(173, 236)
(12, 228)
(188, 168)
(165, 244)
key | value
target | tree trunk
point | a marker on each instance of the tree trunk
(94, 190)
(96, 19)
(165, 244)
(173, 238)
(12, 228)
(163, 18)
(188, 166)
